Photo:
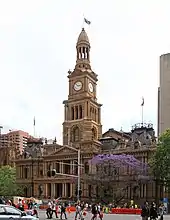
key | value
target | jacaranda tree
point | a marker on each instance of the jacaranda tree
(111, 176)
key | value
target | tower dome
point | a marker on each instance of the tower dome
(83, 38)
(83, 51)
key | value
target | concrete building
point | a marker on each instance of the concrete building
(164, 94)
(10, 143)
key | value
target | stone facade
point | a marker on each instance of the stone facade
(82, 130)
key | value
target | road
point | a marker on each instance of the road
(106, 217)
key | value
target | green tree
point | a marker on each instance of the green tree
(160, 162)
(8, 185)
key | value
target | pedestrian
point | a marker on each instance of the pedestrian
(63, 211)
(145, 211)
(49, 210)
(99, 211)
(94, 211)
(153, 212)
(54, 209)
(78, 211)
(35, 212)
(161, 211)
(20, 205)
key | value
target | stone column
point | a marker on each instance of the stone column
(45, 168)
(99, 116)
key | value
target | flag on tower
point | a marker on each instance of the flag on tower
(143, 102)
(34, 121)
(87, 21)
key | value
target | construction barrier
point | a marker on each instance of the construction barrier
(126, 211)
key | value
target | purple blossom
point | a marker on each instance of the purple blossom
(119, 161)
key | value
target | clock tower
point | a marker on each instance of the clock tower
(82, 117)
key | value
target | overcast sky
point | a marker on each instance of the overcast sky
(37, 48)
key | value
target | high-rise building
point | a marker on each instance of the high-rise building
(164, 94)
(11, 143)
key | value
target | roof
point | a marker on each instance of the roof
(83, 38)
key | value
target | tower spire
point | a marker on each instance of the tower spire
(83, 51)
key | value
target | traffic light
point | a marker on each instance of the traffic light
(51, 173)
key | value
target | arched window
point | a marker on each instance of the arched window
(80, 112)
(94, 134)
(86, 168)
(75, 134)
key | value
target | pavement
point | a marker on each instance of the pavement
(42, 215)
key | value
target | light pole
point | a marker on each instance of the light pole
(78, 181)
(1, 127)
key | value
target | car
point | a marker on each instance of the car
(12, 213)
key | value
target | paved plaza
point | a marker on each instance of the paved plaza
(106, 217)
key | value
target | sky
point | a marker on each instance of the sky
(38, 47)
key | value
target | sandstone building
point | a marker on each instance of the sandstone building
(82, 129)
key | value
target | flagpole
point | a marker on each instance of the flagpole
(142, 106)
(142, 115)
(34, 126)
(83, 22)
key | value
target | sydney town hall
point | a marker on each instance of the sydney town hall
(82, 132)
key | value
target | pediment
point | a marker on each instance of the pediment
(65, 150)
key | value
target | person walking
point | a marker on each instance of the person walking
(49, 210)
(153, 212)
(63, 211)
(145, 211)
(54, 209)
(94, 211)
(78, 211)
(161, 211)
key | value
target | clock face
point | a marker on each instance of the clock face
(77, 86)
(90, 87)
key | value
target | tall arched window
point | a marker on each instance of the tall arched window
(86, 167)
(80, 112)
(75, 134)
(94, 134)
(76, 112)
(72, 113)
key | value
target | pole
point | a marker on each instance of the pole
(0, 134)
(142, 115)
(32, 177)
(78, 187)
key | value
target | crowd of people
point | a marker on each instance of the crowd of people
(81, 210)
(152, 211)
(58, 210)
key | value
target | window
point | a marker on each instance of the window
(94, 134)
(76, 111)
(72, 113)
(90, 190)
(80, 112)
(12, 211)
(2, 211)
(75, 134)
(86, 166)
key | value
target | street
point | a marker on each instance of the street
(42, 216)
